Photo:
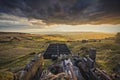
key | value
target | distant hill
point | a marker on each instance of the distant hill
(63, 36)
(11, 33)
(88, 35)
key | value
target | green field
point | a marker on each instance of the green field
(17, 51)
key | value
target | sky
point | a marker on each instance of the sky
(105, 28)
(38, 16)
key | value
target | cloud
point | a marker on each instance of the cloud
(76, 28)
(14, 22)
(110, 5)
(64, 11)
(11, 23)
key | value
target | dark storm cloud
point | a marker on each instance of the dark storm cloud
(73, 11)
(81, 4)
(12, 3)
(110, 5)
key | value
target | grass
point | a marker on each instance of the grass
(16, 54)
(17, 62)
(47, 62)
(6, 75)
(108, 53)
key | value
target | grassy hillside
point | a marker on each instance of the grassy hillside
(16, 49)
(88, 35)
(108, 53)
